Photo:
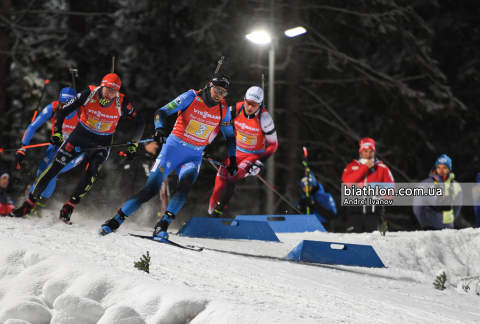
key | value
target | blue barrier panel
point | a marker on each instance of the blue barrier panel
(221, 228)
(336, 253)
(287, 223)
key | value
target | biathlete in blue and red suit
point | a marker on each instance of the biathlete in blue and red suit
(48, 113)
(200, 112)
(254, 128)
(101, 107)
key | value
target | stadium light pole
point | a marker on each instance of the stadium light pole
(263, 38)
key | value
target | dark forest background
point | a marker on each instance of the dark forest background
(405, 73)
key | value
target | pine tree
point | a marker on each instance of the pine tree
(440, 281)
(144, 263)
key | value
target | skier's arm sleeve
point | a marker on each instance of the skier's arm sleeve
(45, 115)
(229, 134)
(213, 134)
(132, 114)
(268, 128)
(354, 176)
(70, 107)
(178, 104)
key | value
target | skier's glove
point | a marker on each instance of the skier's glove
(206, 151)
(306, 202)
(19, 156)
(232, 167)
(160, 136)
(131, 151)
(56, 140)
(255, 169)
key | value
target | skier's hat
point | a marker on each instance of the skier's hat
(254, 94)
(111, 80)
(67, 94)
(220, 80)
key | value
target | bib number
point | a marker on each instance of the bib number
(198, 129)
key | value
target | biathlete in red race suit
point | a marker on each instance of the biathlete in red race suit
(48, 114)
(367, 169)
(254, 128)
(101, 107)
(200, 113)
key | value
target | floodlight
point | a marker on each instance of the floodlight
(295, 31)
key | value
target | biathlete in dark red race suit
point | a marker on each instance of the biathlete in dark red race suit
(101, 107)
(200, 112)
(48, 113)
(254, 127)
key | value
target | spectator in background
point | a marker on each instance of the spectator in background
(321, 203)
(437, 213)
(368, 169)
(476, 200)
(7, 203)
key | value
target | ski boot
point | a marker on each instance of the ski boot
(67, 210)
(25, 208)
(37, 211)
(114, 223)
(218, 211)
(162, 226)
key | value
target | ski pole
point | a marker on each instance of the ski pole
(223, 59)
(77, 149)
(213, 162)
(114, 55)
(307, 171)
(24, 147)
(74, 73)
(39, 100)
(275, 191)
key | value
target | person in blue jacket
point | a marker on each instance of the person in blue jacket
(200, 112)
(476, 201)
(321, 203)
(48, 113)
(439, 212)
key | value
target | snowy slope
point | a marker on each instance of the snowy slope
(54, 273)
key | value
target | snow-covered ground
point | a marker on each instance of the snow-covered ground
(54, 273)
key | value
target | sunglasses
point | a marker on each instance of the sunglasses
(221, 92)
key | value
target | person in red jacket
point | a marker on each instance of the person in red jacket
(7, 202)
(367, 169)
(256, 141)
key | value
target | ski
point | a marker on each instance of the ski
(162, 240)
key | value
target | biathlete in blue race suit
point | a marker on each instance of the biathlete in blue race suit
(48, 113)
(199, 114)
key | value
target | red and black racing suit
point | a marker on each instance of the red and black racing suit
(95, 129)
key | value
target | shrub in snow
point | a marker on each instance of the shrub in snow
(79, 307)
(383, 228)
(120, 314)
(440, 281)
(52, 289)
(144, 263)
(26, 310)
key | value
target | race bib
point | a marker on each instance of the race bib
(249, 140)
(198, 129)
(98, 125)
